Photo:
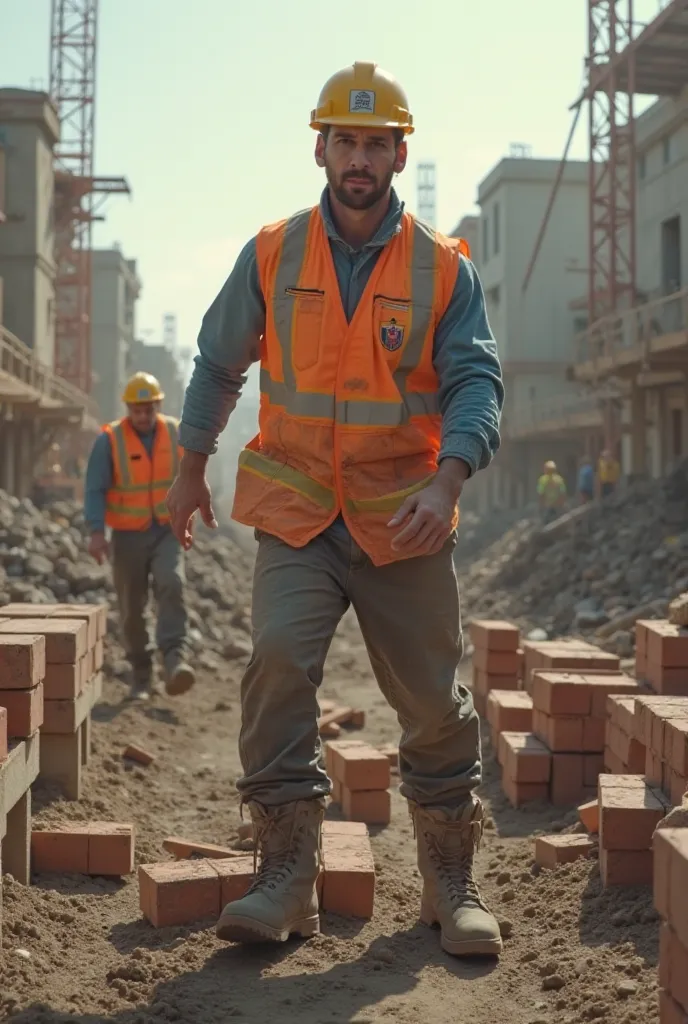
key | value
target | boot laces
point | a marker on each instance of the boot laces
(451, 850)
(277, 845)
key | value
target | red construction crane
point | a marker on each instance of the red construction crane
(72, 88)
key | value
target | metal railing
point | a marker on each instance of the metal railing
(557, 410)
(19, 362)
(627, 329)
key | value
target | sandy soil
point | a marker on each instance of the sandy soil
(575, 953)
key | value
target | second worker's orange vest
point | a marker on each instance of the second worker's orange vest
(349, 412)
(140, 483)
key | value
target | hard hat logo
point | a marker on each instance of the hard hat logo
(362, 101)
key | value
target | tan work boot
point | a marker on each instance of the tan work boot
(179, 676)
(282, 900)
(447, 841)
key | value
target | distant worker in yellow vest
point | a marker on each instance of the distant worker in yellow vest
(608, 473)
(381, 393)
(551, 490)
(130, 470)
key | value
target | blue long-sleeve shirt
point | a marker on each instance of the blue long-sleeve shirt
(99, 477)
(471, 392)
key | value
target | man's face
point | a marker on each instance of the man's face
(360, 163)
(143, 416)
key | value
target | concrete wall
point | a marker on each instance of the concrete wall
(29, 129)
(115, 290)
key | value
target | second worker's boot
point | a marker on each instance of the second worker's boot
(179, 675)
(447, 841)
(283, 899)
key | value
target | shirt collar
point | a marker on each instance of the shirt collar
(391, 225)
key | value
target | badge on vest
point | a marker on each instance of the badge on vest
(391, 335)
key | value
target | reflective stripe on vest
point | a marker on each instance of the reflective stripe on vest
(123, 510)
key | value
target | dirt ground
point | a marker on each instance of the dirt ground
(77, 949)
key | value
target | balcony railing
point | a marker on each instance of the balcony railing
(634, 328)
(558, 412)
(30, 379)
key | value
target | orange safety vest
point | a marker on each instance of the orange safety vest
(349, 412)
(140, 483)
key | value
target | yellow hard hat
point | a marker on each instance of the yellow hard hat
(362, 95)
(142, 387)
(550, 467)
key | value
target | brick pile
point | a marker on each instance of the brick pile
(662, 656)
(497, 659)
(361, 777)
(624, 754)
(333, 717)
(661, 725)
(671, 901)
(85, 848)
(508, 711)
(526, 767)
(179, 892)
(629, 811)
(565, 655)
(66, 684)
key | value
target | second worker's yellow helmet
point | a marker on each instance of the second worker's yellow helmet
(362, 95)
(142, 387)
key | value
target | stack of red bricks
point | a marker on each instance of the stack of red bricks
(624, 754)
(62, 695)
(497, 659)
(508, 711)
(565, 655)
(85, 848)
(671, 902)
(563, 757)
(661, 725)
(662, 656)
(629, 811)
(179, 892)
(361, 777)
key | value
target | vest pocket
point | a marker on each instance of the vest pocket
(299, 315)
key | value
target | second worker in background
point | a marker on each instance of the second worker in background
(381, 394)
(129, 473)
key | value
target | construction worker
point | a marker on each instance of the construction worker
(381, 394)
(608, 473)
(586, 480)
(551, 490)
(129, 472)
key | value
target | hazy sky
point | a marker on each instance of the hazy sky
(204, 107)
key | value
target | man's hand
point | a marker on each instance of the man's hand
(188, 494)
(98, 547)
(429, 513)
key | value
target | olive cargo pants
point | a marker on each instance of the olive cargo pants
(410, 619)
(137, 557)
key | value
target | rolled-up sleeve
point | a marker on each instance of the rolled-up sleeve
(471, 390)
(228, 343)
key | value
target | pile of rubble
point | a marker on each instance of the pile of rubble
(43, 559)
(597, 569)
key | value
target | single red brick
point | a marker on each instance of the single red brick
(669, 1010)
(64, 682)
(589, 814)
(561, 693)
(179, 892)
(553, 850)
(485, 682)
(110, 848)
(89, 613)
(65, 639)
(666, 680)
(139, 754)
(667, 644)
(361, 767)
(561, 735)
(236, 877)
(3, 734)
(499, 663)
(22, 660)
(621, 711)
(182, 849)
(593, 735)
(604, 685)
(391, 752)
(372, 806)
(593, 767)
(590, 660)
(24, 711)
(567, 786)
(63, 851)
(520, 793)
(328, 730)
(510, 711)
(626, 867)
(333, 745)
(349, 881)
(525, 758)
(628, 814)
(345, 828)
(494, 635)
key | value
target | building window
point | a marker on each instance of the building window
(641, 167)
(486, 238)
(495, 229)
(666, 150)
